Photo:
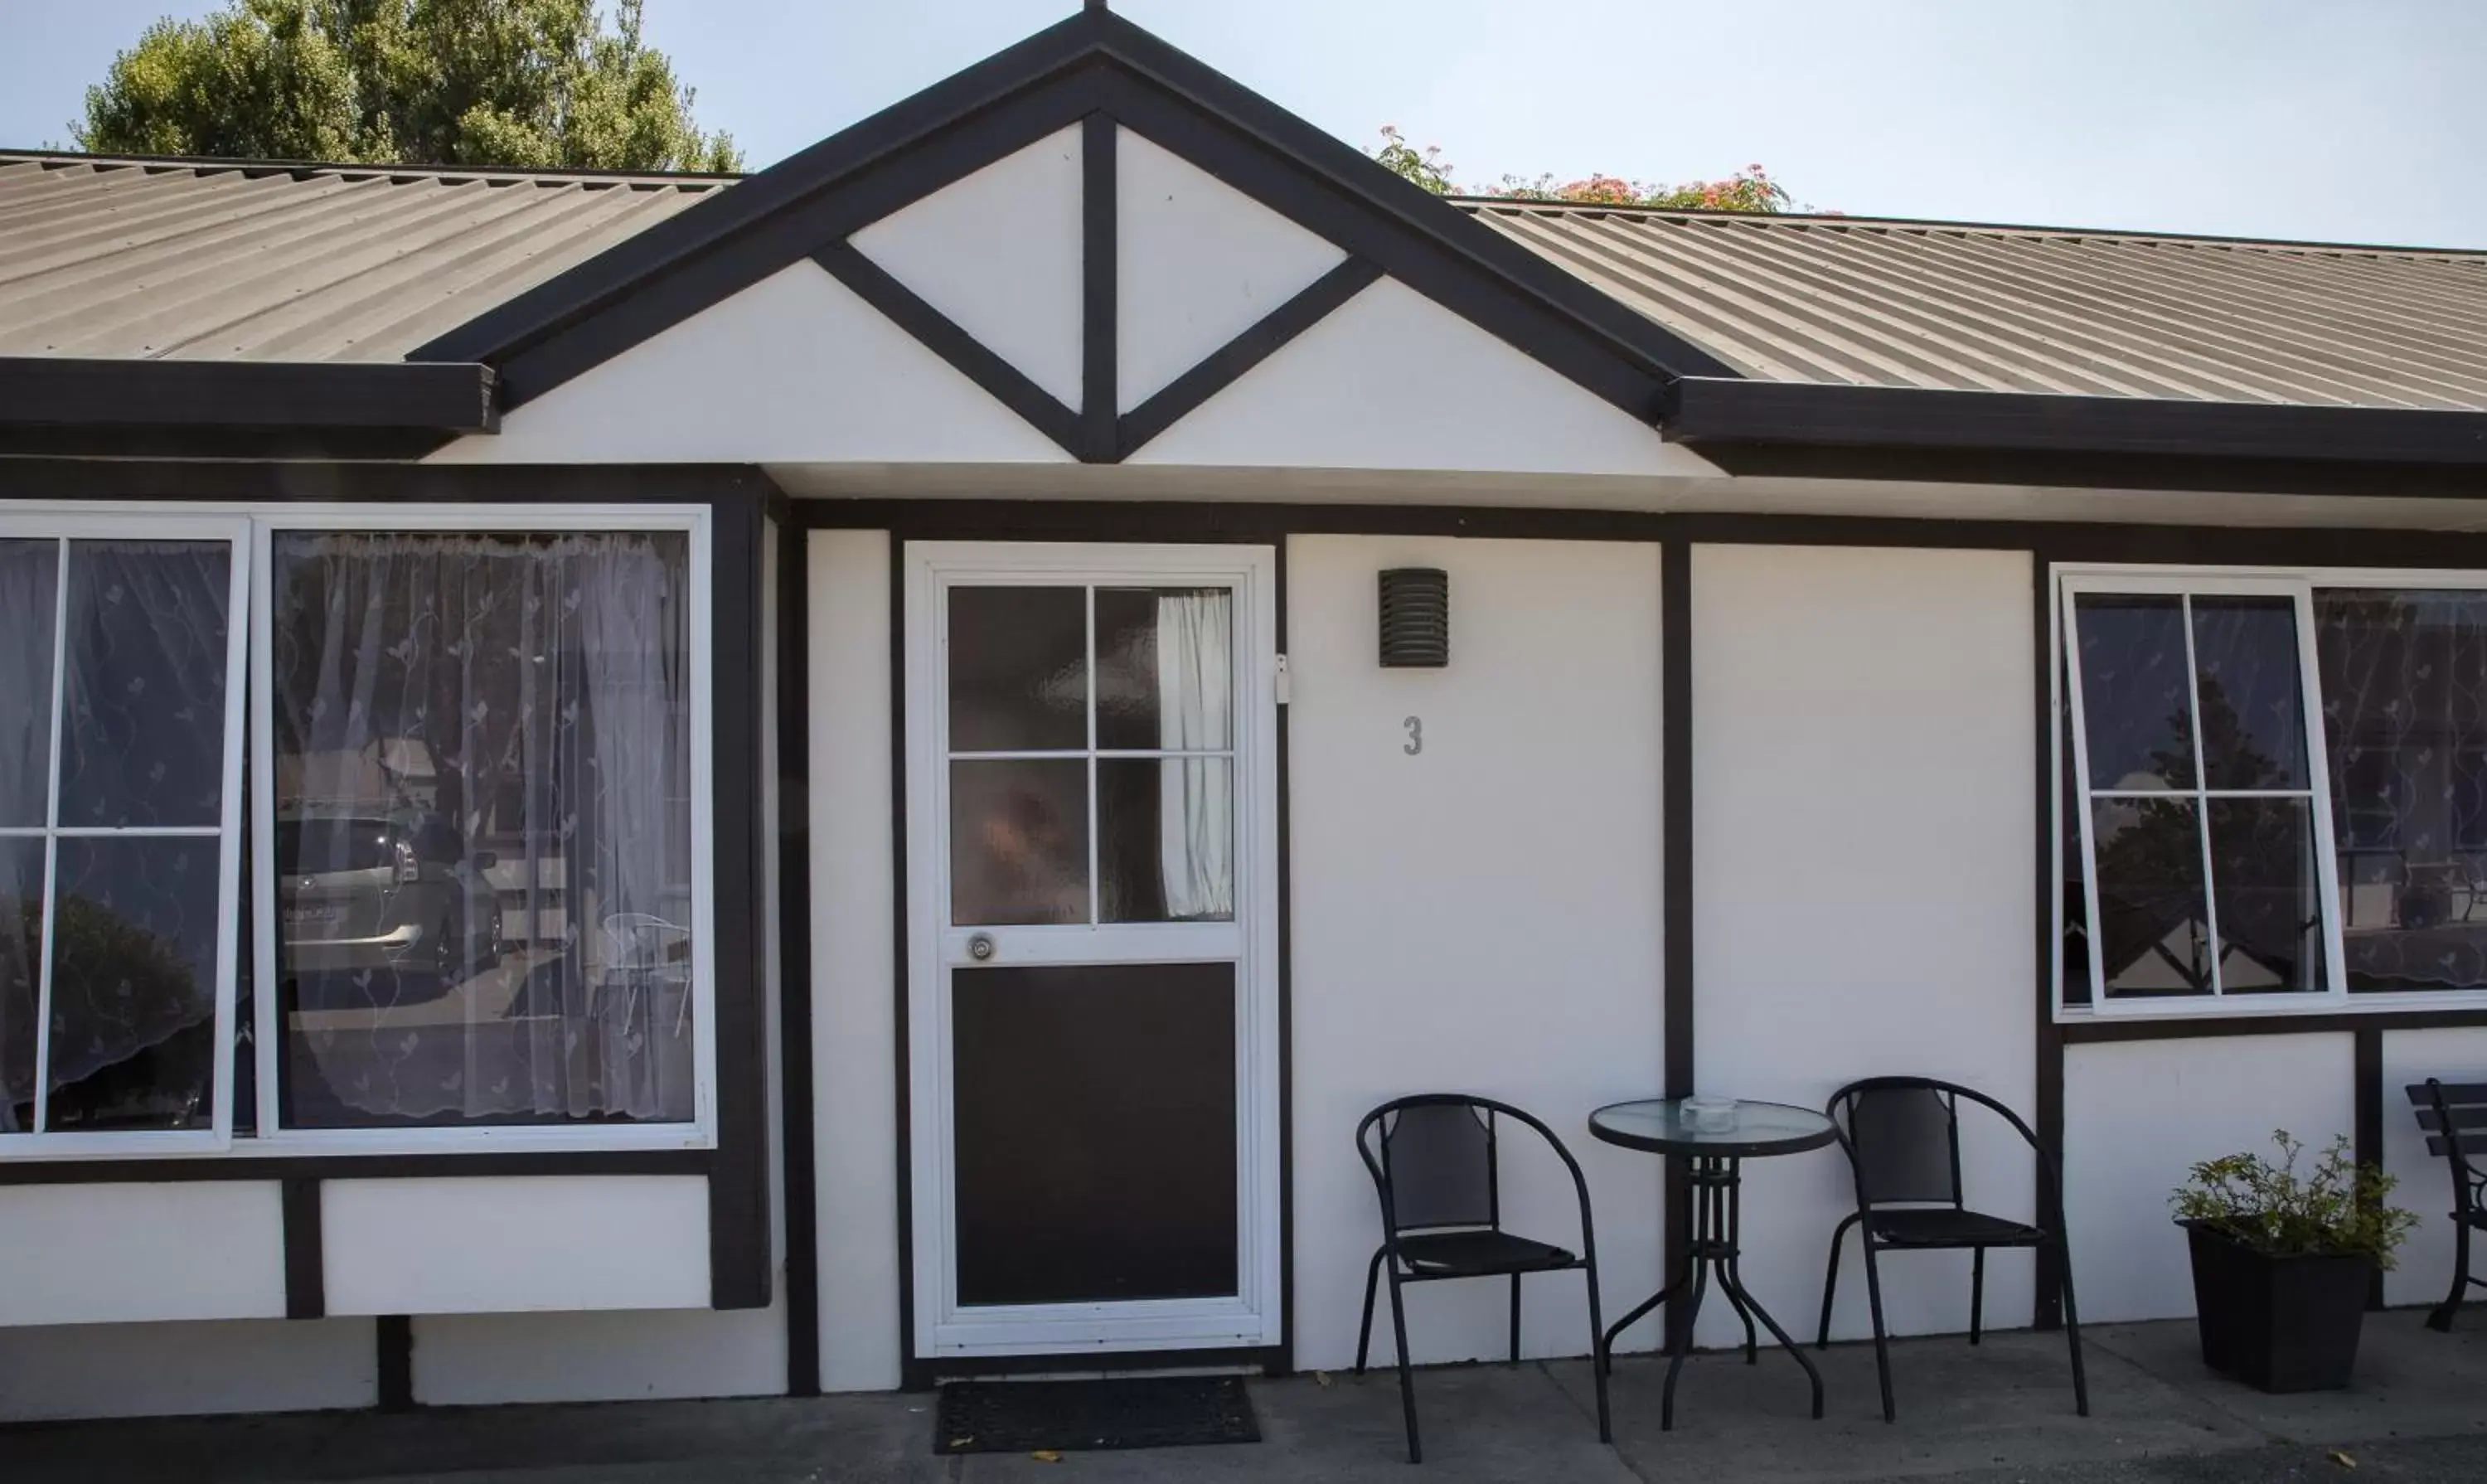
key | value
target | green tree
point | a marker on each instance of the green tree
(417, 82)
(1749, 189)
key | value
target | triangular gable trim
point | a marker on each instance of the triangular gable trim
(1099, 69)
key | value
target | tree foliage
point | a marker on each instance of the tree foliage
(1749, 189)
(428, 82)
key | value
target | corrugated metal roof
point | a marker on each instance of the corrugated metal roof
(1929, 304)
(208, 261)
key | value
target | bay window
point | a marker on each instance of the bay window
(2274, 789)
(462, 900)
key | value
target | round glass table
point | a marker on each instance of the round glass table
(1716, 1136)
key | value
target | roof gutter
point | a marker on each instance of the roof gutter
(1701, 410)
(236, 408)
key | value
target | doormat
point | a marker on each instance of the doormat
(1131, 1411)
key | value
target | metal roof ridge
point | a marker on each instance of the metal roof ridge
(1765, 219)
(551, 175)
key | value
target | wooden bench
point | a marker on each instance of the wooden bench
(2454, 1116)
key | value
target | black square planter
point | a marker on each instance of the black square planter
(2282, 1324)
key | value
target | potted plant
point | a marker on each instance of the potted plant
(2282, 1263)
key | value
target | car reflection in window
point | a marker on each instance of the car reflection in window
(394, 892)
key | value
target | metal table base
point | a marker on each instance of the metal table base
(1718, 1183)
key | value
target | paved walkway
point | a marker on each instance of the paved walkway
(2001, 1412)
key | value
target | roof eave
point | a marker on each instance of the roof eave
(1705, 412)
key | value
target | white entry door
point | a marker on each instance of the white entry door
(1092, 971)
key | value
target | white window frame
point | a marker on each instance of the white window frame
(65, 527)
(254, 526)
(2300, 584)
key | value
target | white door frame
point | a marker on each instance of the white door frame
(1251, 1317)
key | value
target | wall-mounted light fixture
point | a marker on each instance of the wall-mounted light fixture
(1415, 618)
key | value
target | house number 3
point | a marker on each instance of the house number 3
(1415, 726)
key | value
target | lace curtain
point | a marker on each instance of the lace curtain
(485, 850)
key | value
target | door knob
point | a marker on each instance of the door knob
(980, 947)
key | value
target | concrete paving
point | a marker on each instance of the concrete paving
(2001, 1413)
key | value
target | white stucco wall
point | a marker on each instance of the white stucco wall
(105, 1253)
(2424, 1274)
(471, 1359)
(855, 1081)
(2138, 1114)
(1863, 838)
(153, 1370)
(1000, 254)
(1482, 916)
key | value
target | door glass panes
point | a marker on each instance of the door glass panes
(1115, 800)
(1019, 840)
(2202, 851)
(113, 773)
(1019, 669)
(2404, 678)
(482, 834)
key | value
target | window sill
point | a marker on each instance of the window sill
(357, 1143)
(2280, 1008)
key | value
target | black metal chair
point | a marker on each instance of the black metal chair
(1436, 1164)
(1902, 1134)
(2445, 1113)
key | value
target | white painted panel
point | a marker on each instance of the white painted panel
(2455, 1055)
(495, 1244)
(854, 1030)
(795, 368)
(164, 1370)
(1000, 253)
(190, 1249)
(485, 1359)
(1392, 380)
(1200, 263)
(2138, 1114)
(1479, 917)
(1862, 835)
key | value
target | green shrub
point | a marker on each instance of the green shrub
(2339, 1208)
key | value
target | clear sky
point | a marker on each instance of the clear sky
(2355, 120)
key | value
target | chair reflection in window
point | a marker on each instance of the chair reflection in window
(645, 953)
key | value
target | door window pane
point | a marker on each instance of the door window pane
(1019, 841)
(134, 983)
(142, 736)
(2264, 887)
(21, 945)
(2404, 678)
(2135, 703)
(483, 832)
(1164, 662)
(29, 605)
(2254, 711)
(1019, 669)
(2152, 937)
(1165, 839)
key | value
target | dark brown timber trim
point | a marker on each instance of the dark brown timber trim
(740, 1229)
(2048, 1309)
(306, 1273)
(1004, 383)
(394, 1335)
(1226, 364)
(66, 392)
(1100, 348)
(2369, 1123)
(794, 1068)
(1676, 867)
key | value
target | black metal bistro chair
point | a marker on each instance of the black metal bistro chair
(1437, 1165)
(1902, 1134)
(2455, 1119)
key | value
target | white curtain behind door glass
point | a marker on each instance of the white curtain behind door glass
(519, 698)
(1196, 712)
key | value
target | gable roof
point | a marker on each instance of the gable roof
(1738, 333)
(156, 258)
(1835, 299)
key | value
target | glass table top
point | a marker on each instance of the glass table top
(1715, 1126)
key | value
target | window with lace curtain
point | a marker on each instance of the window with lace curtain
(318, 833)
